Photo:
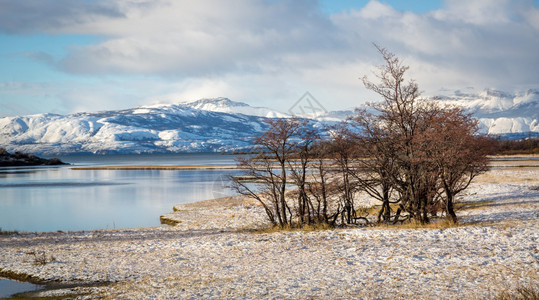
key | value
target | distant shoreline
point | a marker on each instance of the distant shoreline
(181, 167)
(495, 161)
(19, 159)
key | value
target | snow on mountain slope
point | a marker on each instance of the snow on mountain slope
(220, 125)
(232, 107)
(510, 115)
(500, 113)
(166, 128)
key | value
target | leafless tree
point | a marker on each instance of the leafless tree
(376, 161)
(459, 154)
(342, 153)
(405, 151)
(302, 156)
(399, 117)
(266, 170)
(298, 177)
(322, 185)
(420, 144)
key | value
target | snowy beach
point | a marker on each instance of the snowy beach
(212, 253)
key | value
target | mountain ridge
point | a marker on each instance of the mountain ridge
(500, 113)
(221, 125)
(169, 128)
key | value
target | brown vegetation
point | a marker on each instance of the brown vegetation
(407, 152)
(528, 145)
(530, 292)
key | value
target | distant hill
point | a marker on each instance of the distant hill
(501, 113)
(221, 125)
(147, 129)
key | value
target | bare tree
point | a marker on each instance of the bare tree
(459, 154)
(342, 153)
(302, 155)
(298, 177)
(399, 117)
(407, 151)
(266, 170)
(322, 185)
(423, 148)
(376, 161)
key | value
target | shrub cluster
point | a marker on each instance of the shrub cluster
(528, 145)
(411, 155)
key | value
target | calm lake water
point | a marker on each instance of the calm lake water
(39, 199)
(11, 287)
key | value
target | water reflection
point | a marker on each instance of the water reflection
(50, 199)
(55, 184)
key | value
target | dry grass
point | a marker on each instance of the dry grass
(414, 224)
(517, 175)
(166, 221)
(227, 202)
(296, 228)
(375, 209)
(472, 205)
(530, 292)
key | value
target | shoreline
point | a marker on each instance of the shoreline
(210, 254)
(495, 161)
(179, 167)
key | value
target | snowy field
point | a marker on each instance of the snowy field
(209, 255)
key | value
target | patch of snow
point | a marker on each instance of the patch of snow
(226, 105)
(139, 111)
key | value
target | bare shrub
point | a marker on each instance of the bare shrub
(41, 258)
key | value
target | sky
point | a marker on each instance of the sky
(66, 56)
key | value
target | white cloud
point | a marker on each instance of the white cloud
(377, 10)
(478, 12)
(270, 52)
(478, 43)
(185, 38)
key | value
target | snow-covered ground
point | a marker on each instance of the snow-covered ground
(495, 250)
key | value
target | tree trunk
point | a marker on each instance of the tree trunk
(397, 215)
(387, 211)
(449, 209)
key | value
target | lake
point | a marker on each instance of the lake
(40, 199)
(11, 287)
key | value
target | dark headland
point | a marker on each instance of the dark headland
(22, 159)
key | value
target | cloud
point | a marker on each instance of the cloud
(33, 16)
(266, 48)
(456, 44)
(480, 12)
(208, 38)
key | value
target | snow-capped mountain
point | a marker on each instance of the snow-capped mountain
(158, 128)
(501, 113)
(220, 125)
